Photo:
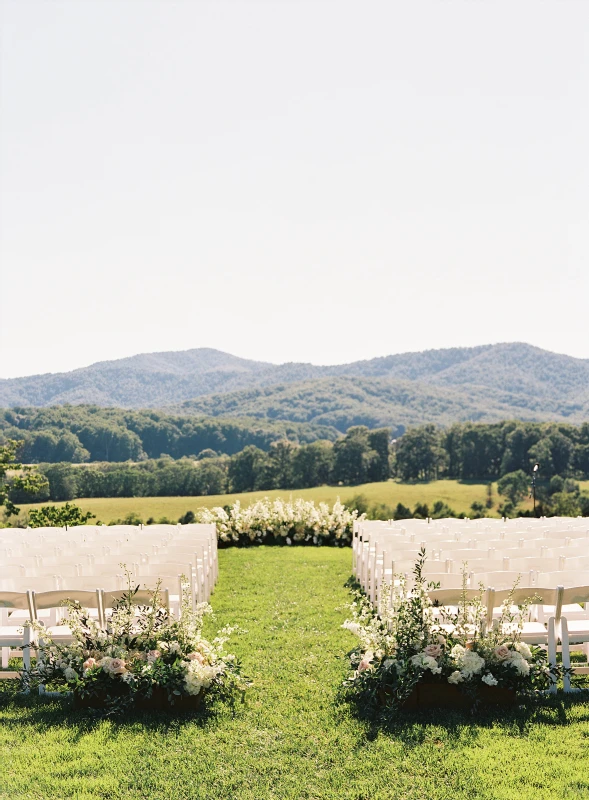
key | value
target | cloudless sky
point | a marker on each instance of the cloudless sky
(291, 181)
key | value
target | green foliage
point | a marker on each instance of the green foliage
(23, 479)
(477, 510)
(515, 486)
(89, 433)
(58, 516)
(419, 454)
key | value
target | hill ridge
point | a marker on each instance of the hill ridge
(511, 379)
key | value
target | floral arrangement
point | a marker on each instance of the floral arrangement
(142, 653)
(411, 641)
(276, 521)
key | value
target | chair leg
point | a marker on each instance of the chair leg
(26, 650)
(566, 654)
(5, 657)
(552, 653)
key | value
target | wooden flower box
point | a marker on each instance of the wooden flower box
(447, 695)
(157, 702)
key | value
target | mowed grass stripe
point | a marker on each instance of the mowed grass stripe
(293, 738)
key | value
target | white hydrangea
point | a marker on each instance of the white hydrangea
(456, 677)
(457, 652)
(489, 679)
(70, 674)
(296, 520)
(471, 663)
(200, 676)
(520, 663)
(426, 662)
(525, 651)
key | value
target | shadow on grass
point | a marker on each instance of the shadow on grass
(413, 728)
(42, 714)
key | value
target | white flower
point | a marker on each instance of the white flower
(200, 676)
(175, 647)
(520, 663)
(489, 679)
(70, 674)
(525, 651)
(457, 652)
(472, 663)
(455, 677)
(354, 627)
(426, 662)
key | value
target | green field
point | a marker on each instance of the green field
(457, 495)
(294, 739)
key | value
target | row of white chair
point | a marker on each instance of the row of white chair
(559, 632)
(182, 549)
(379, 549)
(49, 608)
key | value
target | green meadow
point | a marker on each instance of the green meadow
(457, 495)
(295, 738)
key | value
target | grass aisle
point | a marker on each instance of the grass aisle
(292, 739)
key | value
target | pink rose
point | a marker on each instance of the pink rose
(196, 657)
(117, 666)
(366, 659)
(89, 663)
(433, 650)
(153, 655)
(502, 652)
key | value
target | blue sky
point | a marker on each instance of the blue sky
(291, 181)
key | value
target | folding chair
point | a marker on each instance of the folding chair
(15, 636)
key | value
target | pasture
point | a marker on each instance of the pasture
(457, 495)
(293, 738)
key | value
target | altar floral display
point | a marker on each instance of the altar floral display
(142, 655)
(411, 642)
(279, 522)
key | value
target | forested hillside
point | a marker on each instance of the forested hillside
(90, 433)
(398, 404)
(507, 380)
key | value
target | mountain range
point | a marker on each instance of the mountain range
(485, 383)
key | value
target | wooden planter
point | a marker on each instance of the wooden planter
(447, 695)
(157, 702)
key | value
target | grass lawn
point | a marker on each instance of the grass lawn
(293, 739)
(458, 496)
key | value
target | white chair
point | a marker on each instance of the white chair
(57, 602)
(531, 632)
(573, 631)
(143, 597)
(15, 637)
(448, 600)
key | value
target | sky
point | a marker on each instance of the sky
(291, 181)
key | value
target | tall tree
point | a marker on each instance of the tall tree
(23, 479)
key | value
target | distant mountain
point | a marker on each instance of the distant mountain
(376, 402)
(143, 381)
(480, 383)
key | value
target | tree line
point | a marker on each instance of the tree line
(80, 434)
(359, 457)
(468, 451)
(487, 451)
